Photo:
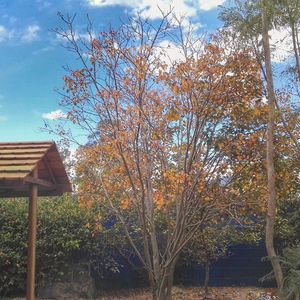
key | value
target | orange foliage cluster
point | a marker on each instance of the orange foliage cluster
(146, 147)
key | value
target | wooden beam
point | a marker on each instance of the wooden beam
(24, 193)
(49, 169)
(42, 182)
(31, 246)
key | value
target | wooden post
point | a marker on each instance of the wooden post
(31, 246)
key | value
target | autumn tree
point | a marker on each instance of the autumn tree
(164, 133)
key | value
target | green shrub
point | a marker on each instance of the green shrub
(67, 234)
(291, 267)
(13, 244)
(290, 263)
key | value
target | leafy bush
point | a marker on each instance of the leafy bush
(13, 236)
(291, 267)
(290, 263)
(67, 234)
(287, 227)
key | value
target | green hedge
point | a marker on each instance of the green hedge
(67, 234)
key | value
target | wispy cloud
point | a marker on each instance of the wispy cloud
(43, 4)
(54, 115)
(30, 34)
(84, 36)
(14, 34)
(44, 49)
(10, 19)
(3, 118)
(6, 34)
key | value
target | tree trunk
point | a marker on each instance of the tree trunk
(163, 287)
(160, 290)
(295, 50)
(171, 279)
(206, 280)
(271, 211)
(297, 40)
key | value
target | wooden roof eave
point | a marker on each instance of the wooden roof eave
(17, 164)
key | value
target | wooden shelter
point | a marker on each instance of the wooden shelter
(31, 169)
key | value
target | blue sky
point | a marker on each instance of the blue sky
(32, 59)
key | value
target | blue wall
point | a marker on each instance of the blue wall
(243, 267)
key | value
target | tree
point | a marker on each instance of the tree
(163, 134)
(253, 20)
(271, 212)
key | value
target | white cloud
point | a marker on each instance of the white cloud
(210, 4)
(152, 8)
(54, 115)
(281, 42)
(5, 34)
(30, 34)
(171, 52)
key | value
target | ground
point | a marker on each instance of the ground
(193, 293)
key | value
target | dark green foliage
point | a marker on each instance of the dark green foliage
(287, 227)
(13, 236)
(212, 243)
(287, 237)
(68, 234)
(291, 266)
(243, 18)
(290, 263)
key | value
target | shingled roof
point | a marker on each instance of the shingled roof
(19, 159)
